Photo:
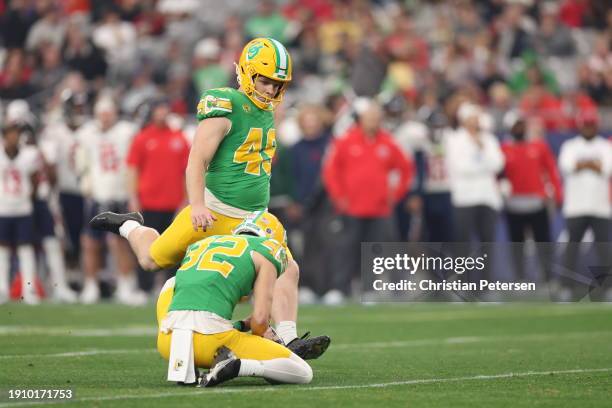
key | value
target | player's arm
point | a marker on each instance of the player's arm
(553, 173)
(209, 134)
(37, 174)
(262, 294)
(568, 163)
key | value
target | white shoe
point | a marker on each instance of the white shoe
(130, 297)
(306, 296)
(333, 298)
(63, 294)
(90, 293)
(31, 299)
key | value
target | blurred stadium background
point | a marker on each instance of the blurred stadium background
(435, 69)
(521, 77)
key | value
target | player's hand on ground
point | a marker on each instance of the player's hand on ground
(201, 217)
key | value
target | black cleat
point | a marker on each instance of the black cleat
(110, 221)
(226, 367)
(309, 348)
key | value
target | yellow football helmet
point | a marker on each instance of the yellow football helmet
(269, 58)
(262, 224)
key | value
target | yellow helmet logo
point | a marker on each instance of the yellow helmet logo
(269, 58)
(254, 50)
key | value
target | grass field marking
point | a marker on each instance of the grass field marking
(363, 314)
(467, 340)
(349, 346)
(250, 389)
(79, 332)
(90, 352)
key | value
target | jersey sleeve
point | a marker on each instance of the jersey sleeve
(274, 252)
(215, 103)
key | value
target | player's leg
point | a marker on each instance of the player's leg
(285, 303)
(131, 227)
(27, 258)
(284, 313)
(155, 251)
(285, 308)
(246, 355)
(54, 253)
(140, 239)
(5, 257)
(163, 304)
(91, 245)
(92, 261)
(127, 291)
(204, 345)
(57, 269)
(72, 210)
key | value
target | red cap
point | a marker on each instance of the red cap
(587, 117)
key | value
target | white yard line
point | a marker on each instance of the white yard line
(79, 332)
(251, 389)
(462, 312)
(468, 339)
(90, 352)
(352, 347)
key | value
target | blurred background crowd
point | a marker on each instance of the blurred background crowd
(410, 120)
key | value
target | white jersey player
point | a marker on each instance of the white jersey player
(19, 166)
(44, 223)
(103, 147)
(62, 139)
(18, 112)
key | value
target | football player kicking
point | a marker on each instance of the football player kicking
(194, 311)
(228, 179)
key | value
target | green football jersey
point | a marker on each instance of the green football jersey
(217, 271)
(239, 173)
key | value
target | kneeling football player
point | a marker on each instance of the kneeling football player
(195, 308)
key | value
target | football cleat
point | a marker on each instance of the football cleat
(110, 221)
(90, 293)
(309, 348)
(63, 294)
(226, 367)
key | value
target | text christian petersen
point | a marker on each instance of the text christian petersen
(404, 263)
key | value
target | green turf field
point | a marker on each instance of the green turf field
(421, 355)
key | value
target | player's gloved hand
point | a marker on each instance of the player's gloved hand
(201, 217)
(243, 325)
